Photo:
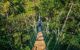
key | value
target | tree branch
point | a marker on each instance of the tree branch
(66, 18)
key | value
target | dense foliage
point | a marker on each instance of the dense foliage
(61, 24)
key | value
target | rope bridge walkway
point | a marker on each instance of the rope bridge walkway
(39, 43)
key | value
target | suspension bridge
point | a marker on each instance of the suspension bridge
(39, 43)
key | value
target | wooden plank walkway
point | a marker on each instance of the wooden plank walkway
(39, 43)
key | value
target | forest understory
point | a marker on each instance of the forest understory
(60, 24)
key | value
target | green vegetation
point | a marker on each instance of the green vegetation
(61, 24)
